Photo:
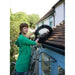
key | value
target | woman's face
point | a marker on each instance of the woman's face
(25, 30)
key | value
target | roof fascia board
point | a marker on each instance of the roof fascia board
(58, 3)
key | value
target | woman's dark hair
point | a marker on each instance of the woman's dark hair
(23, 25)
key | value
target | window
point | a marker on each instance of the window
(45, 64)
(51, 22)
(42, 22)
(61, 71)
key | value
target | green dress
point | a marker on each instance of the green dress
(23, 61)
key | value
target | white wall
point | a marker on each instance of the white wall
(39, 24)
(46, 21)
(59, 13)
(36, 26)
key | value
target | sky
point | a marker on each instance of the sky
(40, 7)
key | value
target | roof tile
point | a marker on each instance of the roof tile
(58, 36)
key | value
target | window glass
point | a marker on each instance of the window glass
(45, 64)
(51, 21)
(42, 22)
(61, 71)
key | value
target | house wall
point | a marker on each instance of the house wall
(51, 21)
(58, 17)
(46, 21)
(39, 24)
(36, 26)
(59, 13)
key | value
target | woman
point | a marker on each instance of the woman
(23, 61)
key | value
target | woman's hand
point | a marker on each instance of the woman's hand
(33, 32)
(37, 41)
(28, 36)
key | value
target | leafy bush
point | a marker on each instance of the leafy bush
(15, 20)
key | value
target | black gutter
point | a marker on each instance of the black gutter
(55, 45)
(58, 50)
